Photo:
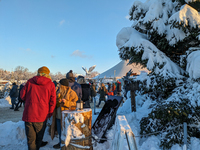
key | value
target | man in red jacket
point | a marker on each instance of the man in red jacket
(40, 100)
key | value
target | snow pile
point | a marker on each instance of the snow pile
(5, 102)
(126, 105)
(12, 133)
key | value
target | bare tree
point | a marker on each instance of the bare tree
(20, 73)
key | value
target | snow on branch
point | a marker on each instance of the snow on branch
(193, 61)
(188, 16)
(129, 37)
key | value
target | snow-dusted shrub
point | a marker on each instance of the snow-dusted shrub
(168, 118)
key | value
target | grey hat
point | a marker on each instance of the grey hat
(69, 74)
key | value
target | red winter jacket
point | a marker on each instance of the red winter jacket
(40, 99)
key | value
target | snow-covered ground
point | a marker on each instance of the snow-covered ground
(13, 136)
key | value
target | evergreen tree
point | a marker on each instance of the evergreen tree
(165, 38)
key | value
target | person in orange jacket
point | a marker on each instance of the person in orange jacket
(66, 100)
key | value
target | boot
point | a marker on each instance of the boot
(57, 146)
(43, 143)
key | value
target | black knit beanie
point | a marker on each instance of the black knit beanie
(64, 82)
(69, 74)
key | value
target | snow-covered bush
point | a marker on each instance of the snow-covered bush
(168, 118)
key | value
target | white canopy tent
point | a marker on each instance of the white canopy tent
(120, 70)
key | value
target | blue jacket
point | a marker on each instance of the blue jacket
(14, 91)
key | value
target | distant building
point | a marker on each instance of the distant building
(3, 82)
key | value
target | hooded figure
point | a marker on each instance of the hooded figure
(73, 84)
(40, 100)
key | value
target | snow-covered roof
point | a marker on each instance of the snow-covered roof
(120, 70)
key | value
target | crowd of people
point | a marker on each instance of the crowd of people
(43, 98)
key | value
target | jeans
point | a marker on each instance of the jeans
(34, 133)
(59, 129)
(13, 101)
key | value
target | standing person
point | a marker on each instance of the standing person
(73, 84)
(102, 92)
(118, 88)
(40, 100)
(110, 92)
(13, 95)
(109, 86)
(85, 91)
(66, 98)
(114, 88)
(93, 91)
(20, 101)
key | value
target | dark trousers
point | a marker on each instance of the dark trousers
(19, 104)
(86, 104)
(13, 101)
(34, 133)
(58, 122)
(100, 101)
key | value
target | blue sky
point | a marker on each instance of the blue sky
(62, 35)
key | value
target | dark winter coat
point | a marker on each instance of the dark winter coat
(85, 95)
(93, 90)
(40, 99)
(14, 91)
(75, 86)
(20, 88)
(102, 92)
(85, 92)
(119, 89)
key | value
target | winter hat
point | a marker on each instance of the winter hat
(80, 77)
(44, 70)
(64, 82)
(69, 74)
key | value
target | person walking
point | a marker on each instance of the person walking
(73, 84)
(85, 91)
(20, 101)
(102, 92)
(13, 95)
(66, 99)
(40, 100)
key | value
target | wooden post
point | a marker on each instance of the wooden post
(134, 87)
(81, 121)
(133, 104)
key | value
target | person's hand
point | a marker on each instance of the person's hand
(62, 100)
